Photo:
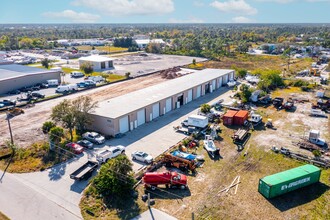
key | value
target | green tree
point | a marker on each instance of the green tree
(241, 73)
(317, 153)
(45, 63)
(82, 107)
(115, 177)
(55, 134)
(47, 125)
(245, 93)
(127, 75)
(269, 79)
(65, 114)
(194, 62)
(205, 108)
(87, 67)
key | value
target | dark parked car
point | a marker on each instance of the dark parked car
(35, 88)
(26, 89)
(85, 143)
(14, 92)
(37, 95)
(86, 84)
(7, 102)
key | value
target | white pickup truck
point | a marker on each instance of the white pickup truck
(109, 153)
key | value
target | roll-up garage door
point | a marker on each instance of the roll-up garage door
(232, 75)
(123, 124)
(155, 110)
(213, 84)
(220, 82)
(141, 117)
(198, 92)
(168, 104)
(226, 78)
(190, 95)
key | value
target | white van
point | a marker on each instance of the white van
(66, 88)
(77, 74)
(96, 79)
(52, 82)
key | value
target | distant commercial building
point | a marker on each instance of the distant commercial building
(127, 112)
(143, 43)
(14, 76)
(99, 62)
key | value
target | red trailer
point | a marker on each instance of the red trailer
(228, 118)
(240, 117)
(169, 179)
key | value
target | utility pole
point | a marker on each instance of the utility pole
(10, 131)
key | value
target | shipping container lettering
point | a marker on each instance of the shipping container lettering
(284, 187)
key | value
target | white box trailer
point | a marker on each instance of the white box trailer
(198, 121)
(52, 82)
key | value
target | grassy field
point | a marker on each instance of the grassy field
(31, 159)
(3, 217)
(104, 48)
(253, 62)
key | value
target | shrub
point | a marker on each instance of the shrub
(205, 108)
(47, 126)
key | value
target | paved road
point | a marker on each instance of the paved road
(51, 194)
(19, 201)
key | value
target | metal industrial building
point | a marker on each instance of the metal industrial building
(127, 112)
(14, 76)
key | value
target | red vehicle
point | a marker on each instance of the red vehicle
(75, 148)
(169, 179)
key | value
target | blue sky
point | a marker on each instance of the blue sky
(165, 11)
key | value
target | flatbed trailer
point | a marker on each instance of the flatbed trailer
(85, 171)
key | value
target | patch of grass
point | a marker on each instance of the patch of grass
(3, 217)
(69, 70)
(104, 48)
(197, 66)
(94, 207)
(37, 157)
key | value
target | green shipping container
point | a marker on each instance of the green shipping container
(287, 181)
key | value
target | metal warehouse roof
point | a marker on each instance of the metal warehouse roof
(15, 70)
(96, 58)
(290, 174)
(122, 105)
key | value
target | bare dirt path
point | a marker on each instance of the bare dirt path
(27, 127)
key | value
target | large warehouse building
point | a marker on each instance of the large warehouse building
(14, 76)
(127, 112)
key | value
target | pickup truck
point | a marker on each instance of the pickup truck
(169, 179)
(85, 171)
(109, 153)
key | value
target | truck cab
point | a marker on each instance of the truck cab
(169, 179)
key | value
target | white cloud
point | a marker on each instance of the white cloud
(277, 1)
(234, 6)
(198, 4)
(77, 17)
(241, 19)
(190, 20)
(289, 1)
(128, 7)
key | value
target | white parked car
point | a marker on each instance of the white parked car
(94, 137)
(66, 88)
(142, 156)
(109, 153)
(96, 79)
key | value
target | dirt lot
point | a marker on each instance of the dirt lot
(252, 62)
(204, 198)
(27, 127)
